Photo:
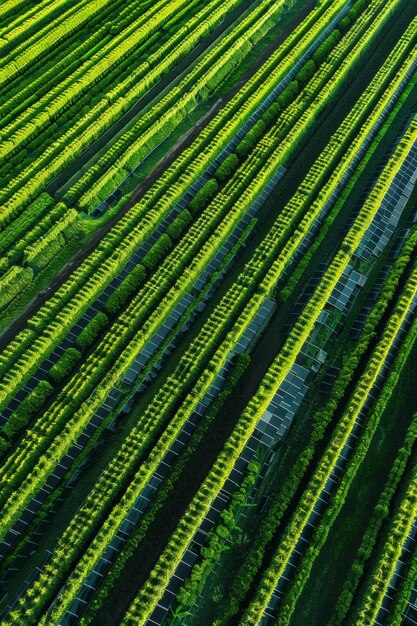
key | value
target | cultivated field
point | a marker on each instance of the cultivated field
(208, 312)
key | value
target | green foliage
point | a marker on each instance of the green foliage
(25, 228)
(65, 364)
(27, 409)
(159, 424)
(93, 329)
(226, 531)
(323, 51)
(158, 251)
(125, 290)
(203, 196)
(227, 168)
(239, 366)
(251, 139)
(346, 22)
(48, 244)
(306, 72)
(176, 229)
(13, 282)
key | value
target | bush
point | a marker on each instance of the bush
(13, 282)
(157, 252)
(175, 230)
(323, 51)
(203, 196)
(357, 8)
(93, 329)
(66, 363)
(306, 72)
(226, 169)
(125, 290)
(30, 405)
(251, 139)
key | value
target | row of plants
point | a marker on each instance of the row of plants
(64, 318)
(305, 321)
(219, 539)
(89, 373)
(132, 229)
(27, 408)
(151, 591)
(323, 417)
(400, 525)
(373, 532)
(31, 21)
(107, 22)
(133, 144)
(340, 435)
(100, 179)
(64, 93)
(55, 449)
(292, 594)
(239, 365)
(33, 178)
(403, 592)
(119, 75)
(13, 282)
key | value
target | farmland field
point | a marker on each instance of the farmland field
(208, 313)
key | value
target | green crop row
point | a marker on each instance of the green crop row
(196, 357)
(141, 608)
(253, 560)
(43, 39)
(240, 364)
(152, 590)
(403, 591)
(290, 598)
(95, 273)
(37, 116)
(138, 141)
(61, 320)
(218, 539)
(116, 78)
(13, 282)
(344, 426)
(98, 366)
(384, 568)
(32, 179)
(372, 533)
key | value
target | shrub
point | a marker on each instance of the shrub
(203, 196)
(93, 329)
(175, 230)
(125, 290)
(157, 252)
(66, 363)
(30, 405)
(226, 169)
